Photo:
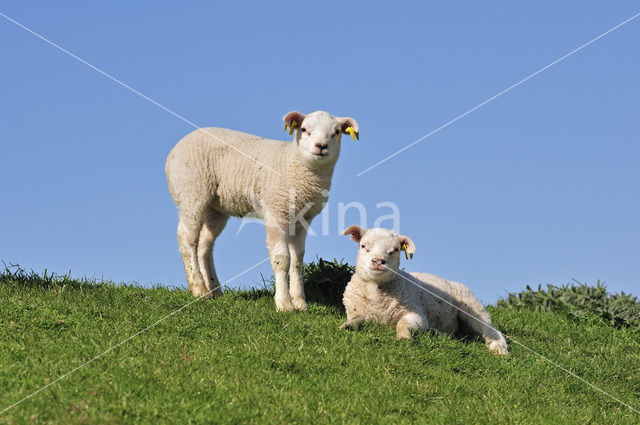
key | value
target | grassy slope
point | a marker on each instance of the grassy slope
(234, 359)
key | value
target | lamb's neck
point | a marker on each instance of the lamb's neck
(387, 285)
(314, 175)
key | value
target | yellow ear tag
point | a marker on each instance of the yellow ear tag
(404, 248)
(351, 132)
(285, 127)
(293, 125)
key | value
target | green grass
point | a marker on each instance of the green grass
(234, 360)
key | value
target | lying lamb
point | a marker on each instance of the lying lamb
(214, 173)
(379, 292)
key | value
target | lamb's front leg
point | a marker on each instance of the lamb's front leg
(280, 259)
(409, 323)
(296, 286)
(352, 323)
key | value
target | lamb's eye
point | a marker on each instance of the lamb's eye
(337, 132)
(362, 246)
(304, 130)
(395, 249)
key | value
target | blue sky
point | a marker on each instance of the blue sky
(538, 186)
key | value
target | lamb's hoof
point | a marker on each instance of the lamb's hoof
(200, 292)
(283, 305)
(405, 334)
(215, 290)
(213, 294)
(349, 325)
(299, 304)
(498, 347)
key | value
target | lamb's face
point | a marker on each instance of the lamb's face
(318, 134)
(379, 251)
(319, 137)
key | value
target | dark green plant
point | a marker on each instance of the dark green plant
(324, 281)
(579, 300)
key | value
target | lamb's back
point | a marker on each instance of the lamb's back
(225, 145)
(232, 166)
(437, 298)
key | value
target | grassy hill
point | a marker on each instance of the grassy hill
(235, 360)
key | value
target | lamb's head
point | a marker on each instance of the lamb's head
(317, 135)
(379, 253)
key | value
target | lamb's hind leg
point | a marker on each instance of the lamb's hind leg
(188, 234)
(213, 225)
(479, 321)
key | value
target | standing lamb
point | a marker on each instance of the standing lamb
(214, 173)
(379, 292)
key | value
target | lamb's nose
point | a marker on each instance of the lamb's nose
(378, 261)
(322, 145)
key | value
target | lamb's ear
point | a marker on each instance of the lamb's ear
(407, 245)
(356, 232)
(292, 120)
(349, 126)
